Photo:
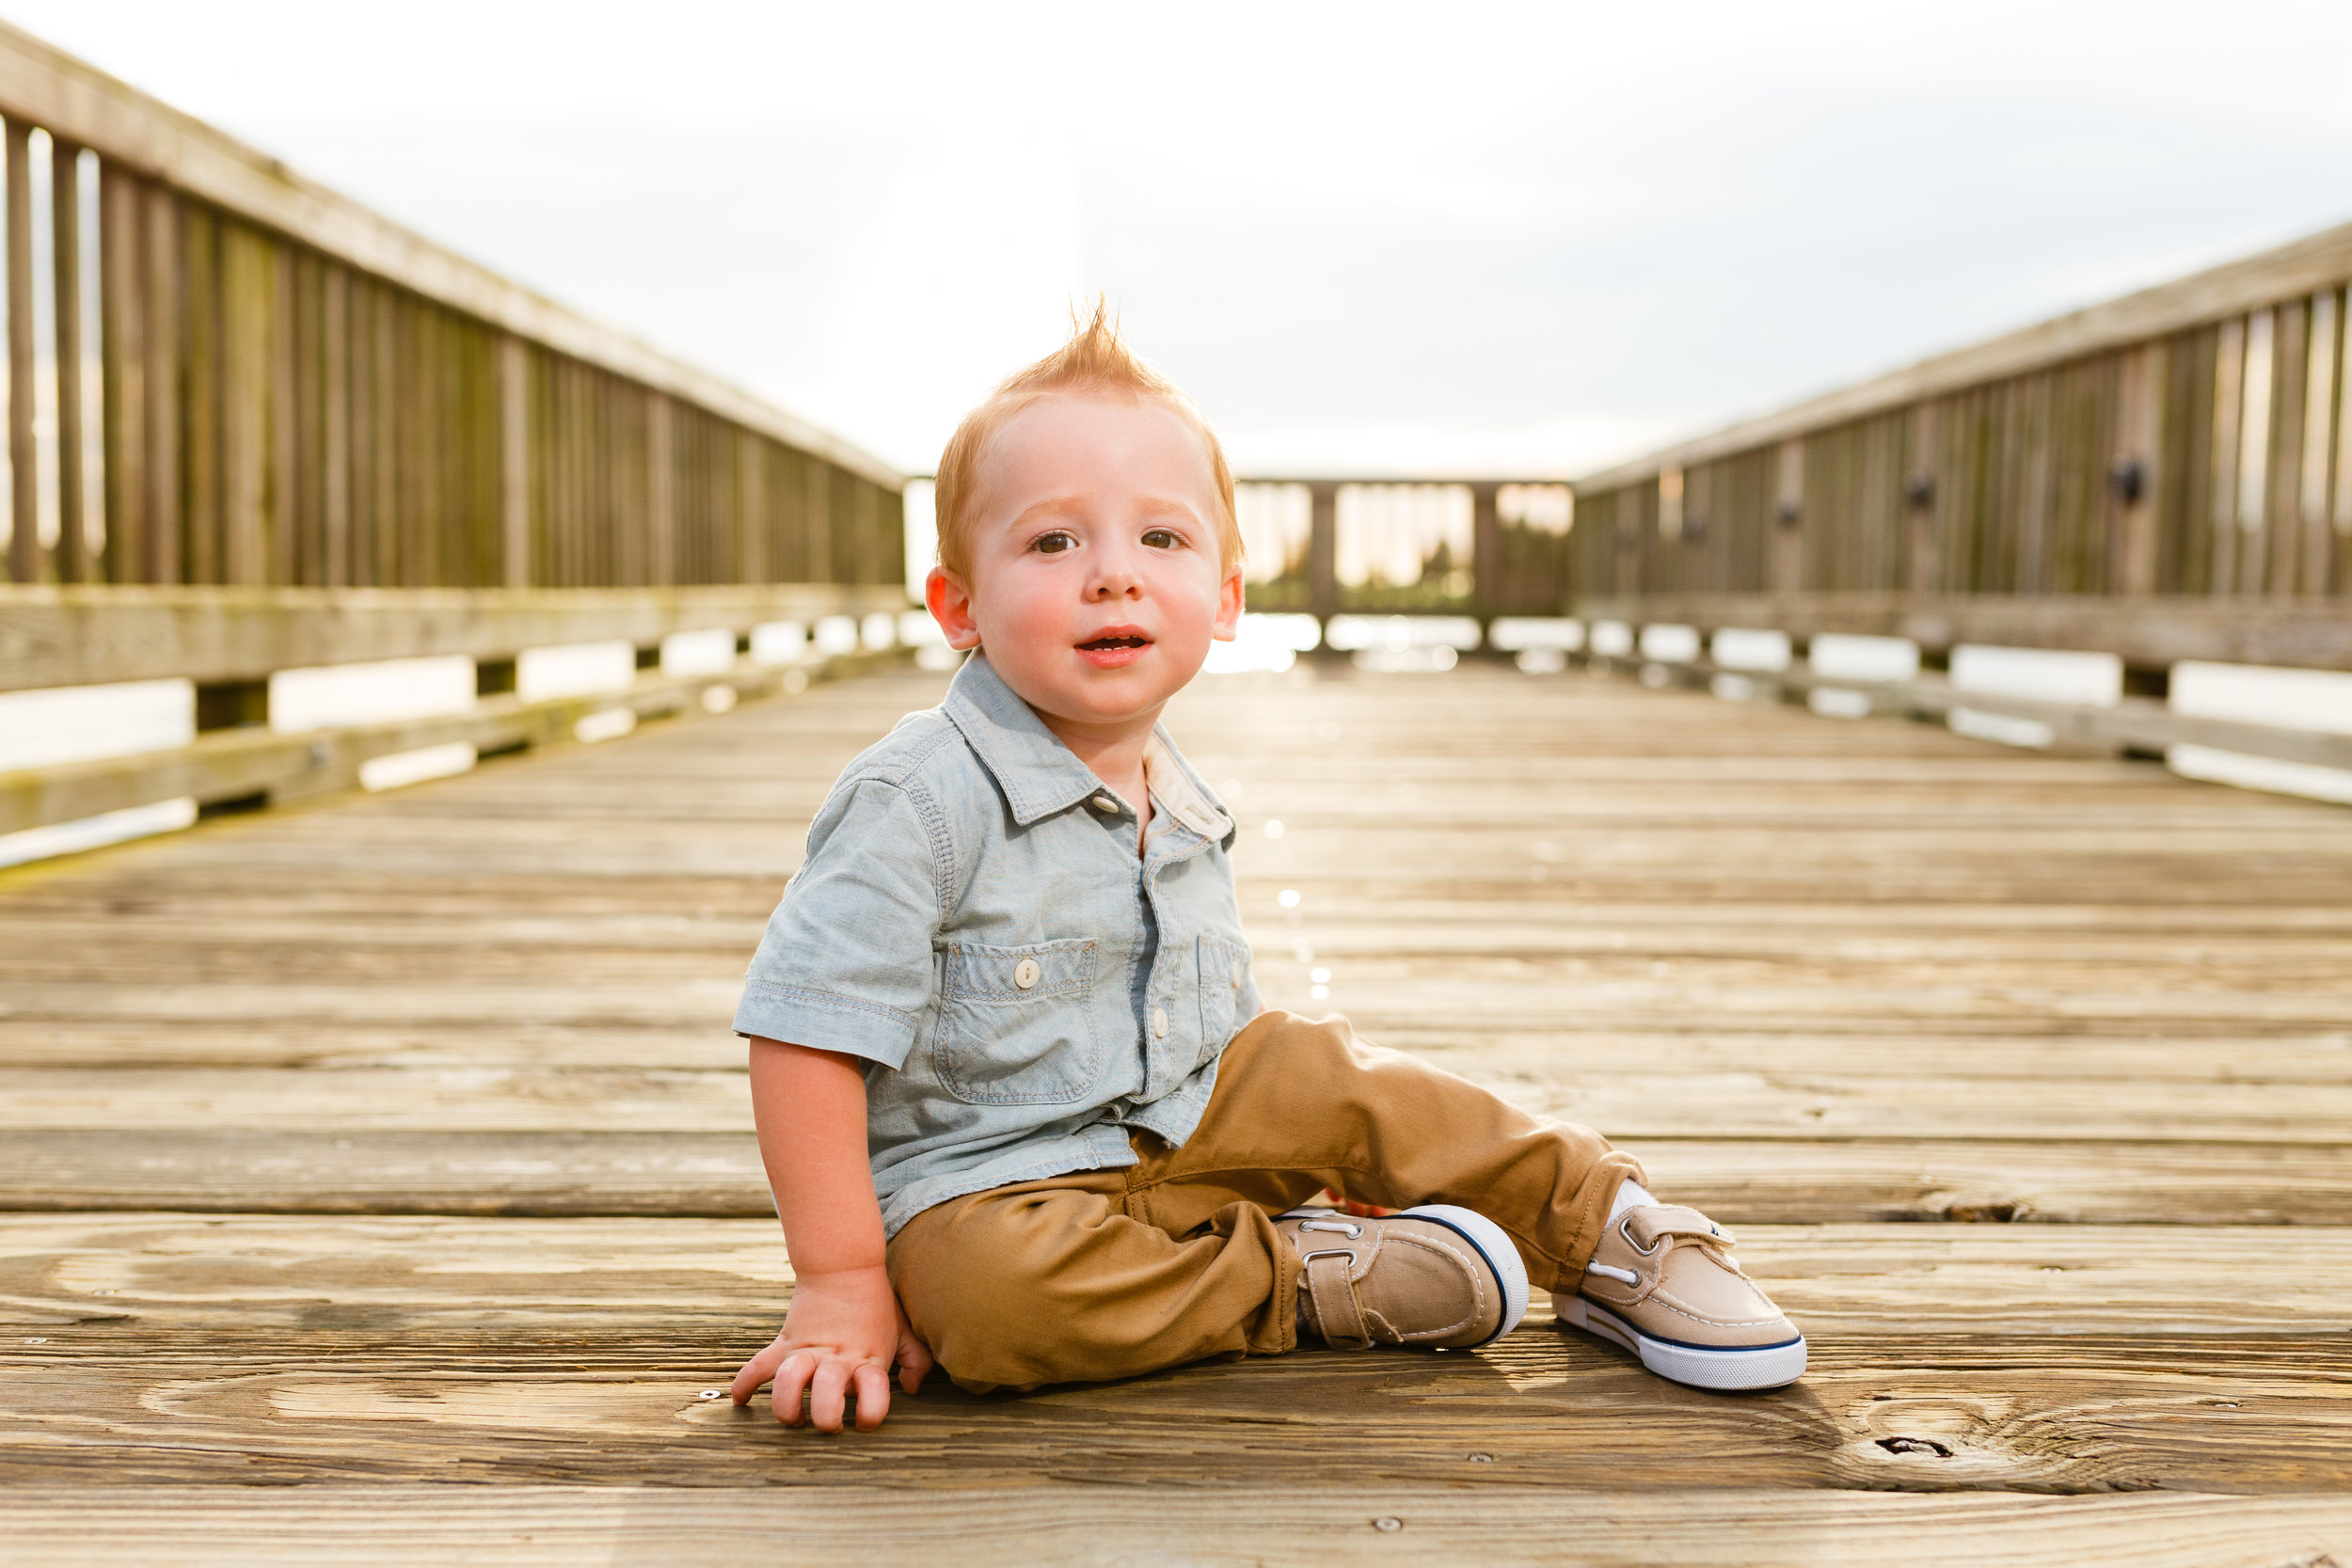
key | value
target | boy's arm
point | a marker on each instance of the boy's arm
(846, 1330)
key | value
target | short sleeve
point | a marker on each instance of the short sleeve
(848, 962)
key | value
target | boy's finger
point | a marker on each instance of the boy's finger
(755, 1372)
(828, 1395)
(915, 1364)
(873, 1395)
(791, 1383)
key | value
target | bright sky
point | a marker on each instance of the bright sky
(1370, 238)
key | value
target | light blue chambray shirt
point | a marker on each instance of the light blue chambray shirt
(974, 921)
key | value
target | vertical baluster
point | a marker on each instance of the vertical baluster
(282, 508)
(65, 208)
(385, 520)
(2284, 461)
(165, 506)
(123, 342)
(360, 401)
(2319, 423)
(751, 495)
(662, 530)
(243, 415)
(24, 480)
(514, 449)
(202, 397)
(817, 476)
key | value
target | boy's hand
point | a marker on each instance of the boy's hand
(844, 1334)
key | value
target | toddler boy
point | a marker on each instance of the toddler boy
(1017, 1102)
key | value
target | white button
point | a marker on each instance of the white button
(1025, 973)
(1237, 972)
(1159, 1022)
(1103, 802)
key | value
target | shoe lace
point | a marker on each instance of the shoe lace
(1340, 1227)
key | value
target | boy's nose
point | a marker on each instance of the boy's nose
(1116, 580)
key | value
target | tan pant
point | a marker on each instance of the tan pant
(1111, 1274)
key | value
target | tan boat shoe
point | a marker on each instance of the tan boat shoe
(1663, 1285)
(1435, 1275)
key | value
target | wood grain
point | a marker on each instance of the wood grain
(1337, 1519)
(361, 1149)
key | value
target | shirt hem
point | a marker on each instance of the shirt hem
(1081, 1153)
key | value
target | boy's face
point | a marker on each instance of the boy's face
(1095, 585)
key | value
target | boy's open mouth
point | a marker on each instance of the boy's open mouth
(1115, 647)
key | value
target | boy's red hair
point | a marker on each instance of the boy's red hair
(1093, 363)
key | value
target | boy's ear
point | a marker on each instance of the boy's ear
(1229, 597)
(951, 604)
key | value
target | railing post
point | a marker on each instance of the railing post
(1788, 547)
(514, 462)
(1322, 550)
(1923, 502)
(2132, 474)
(1486, 585)
(24, 480)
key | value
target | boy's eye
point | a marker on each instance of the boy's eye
(1055, 543)
(1164, 539)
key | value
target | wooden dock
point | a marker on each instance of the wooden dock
(379, 1183)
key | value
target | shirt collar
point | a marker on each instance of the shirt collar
(1181, 795)
(1037, 774)
(1041, 776)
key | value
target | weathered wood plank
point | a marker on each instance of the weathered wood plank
(248, 1277)
(1760, 1103)
(1913, 1412)
(1741, 1181)
(1336, 1519)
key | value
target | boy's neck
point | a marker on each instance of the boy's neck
(1113, 750)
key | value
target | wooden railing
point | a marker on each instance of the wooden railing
(1509, 556)
(255, 428)
(2172, 467)
(294, 391)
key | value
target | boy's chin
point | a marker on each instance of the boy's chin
(1090, 694)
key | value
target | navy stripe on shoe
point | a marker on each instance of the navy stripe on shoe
(1592, 1305)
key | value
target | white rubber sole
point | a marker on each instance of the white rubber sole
(1481, 1233)
(1766, 1367)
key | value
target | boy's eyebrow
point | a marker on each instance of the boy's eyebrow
(1062, 506)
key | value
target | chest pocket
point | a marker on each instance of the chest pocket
(1224, 970)
(1015, 1024)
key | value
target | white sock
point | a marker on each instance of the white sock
(1630, 1194)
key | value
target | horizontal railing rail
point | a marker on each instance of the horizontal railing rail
(2149, 634)
(69, 637)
